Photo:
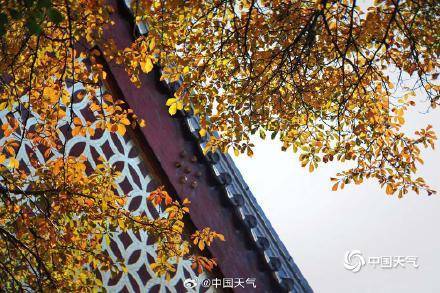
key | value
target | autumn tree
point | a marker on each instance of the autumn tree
(326, 78)
(58, 212)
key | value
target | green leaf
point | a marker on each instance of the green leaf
(28, 3)
(44, 3)
(3, 19)
(33, 27)
(3, 23)
(55, 15)
(38, 15)
(15, 14)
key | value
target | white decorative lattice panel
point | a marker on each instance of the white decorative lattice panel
(135, 180)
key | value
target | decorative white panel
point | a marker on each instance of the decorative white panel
(136, 181)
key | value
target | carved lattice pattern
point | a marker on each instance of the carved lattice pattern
(136, 181)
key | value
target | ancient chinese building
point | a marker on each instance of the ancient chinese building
(169, 152)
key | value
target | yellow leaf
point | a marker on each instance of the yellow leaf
(152, 44)
(171, 101)
(202, 132)
(3, 105)
(141, 123)
(77, 121)
(173, 109)
(107, 239)
(121, 223)
(147, 65)
(153, 266)
(121, 129)
(201, 245)
(91, 131)
(185, 70)
(389, 189)
(2, 158)
(125, 121)
(13, 163)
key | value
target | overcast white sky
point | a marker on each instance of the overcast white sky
(318, 226)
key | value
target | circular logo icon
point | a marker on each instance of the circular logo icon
(190, 283)
(206, 283)
(354, 260)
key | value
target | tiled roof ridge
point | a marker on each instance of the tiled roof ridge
(261, 231)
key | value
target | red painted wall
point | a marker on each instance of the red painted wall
(167, 139)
